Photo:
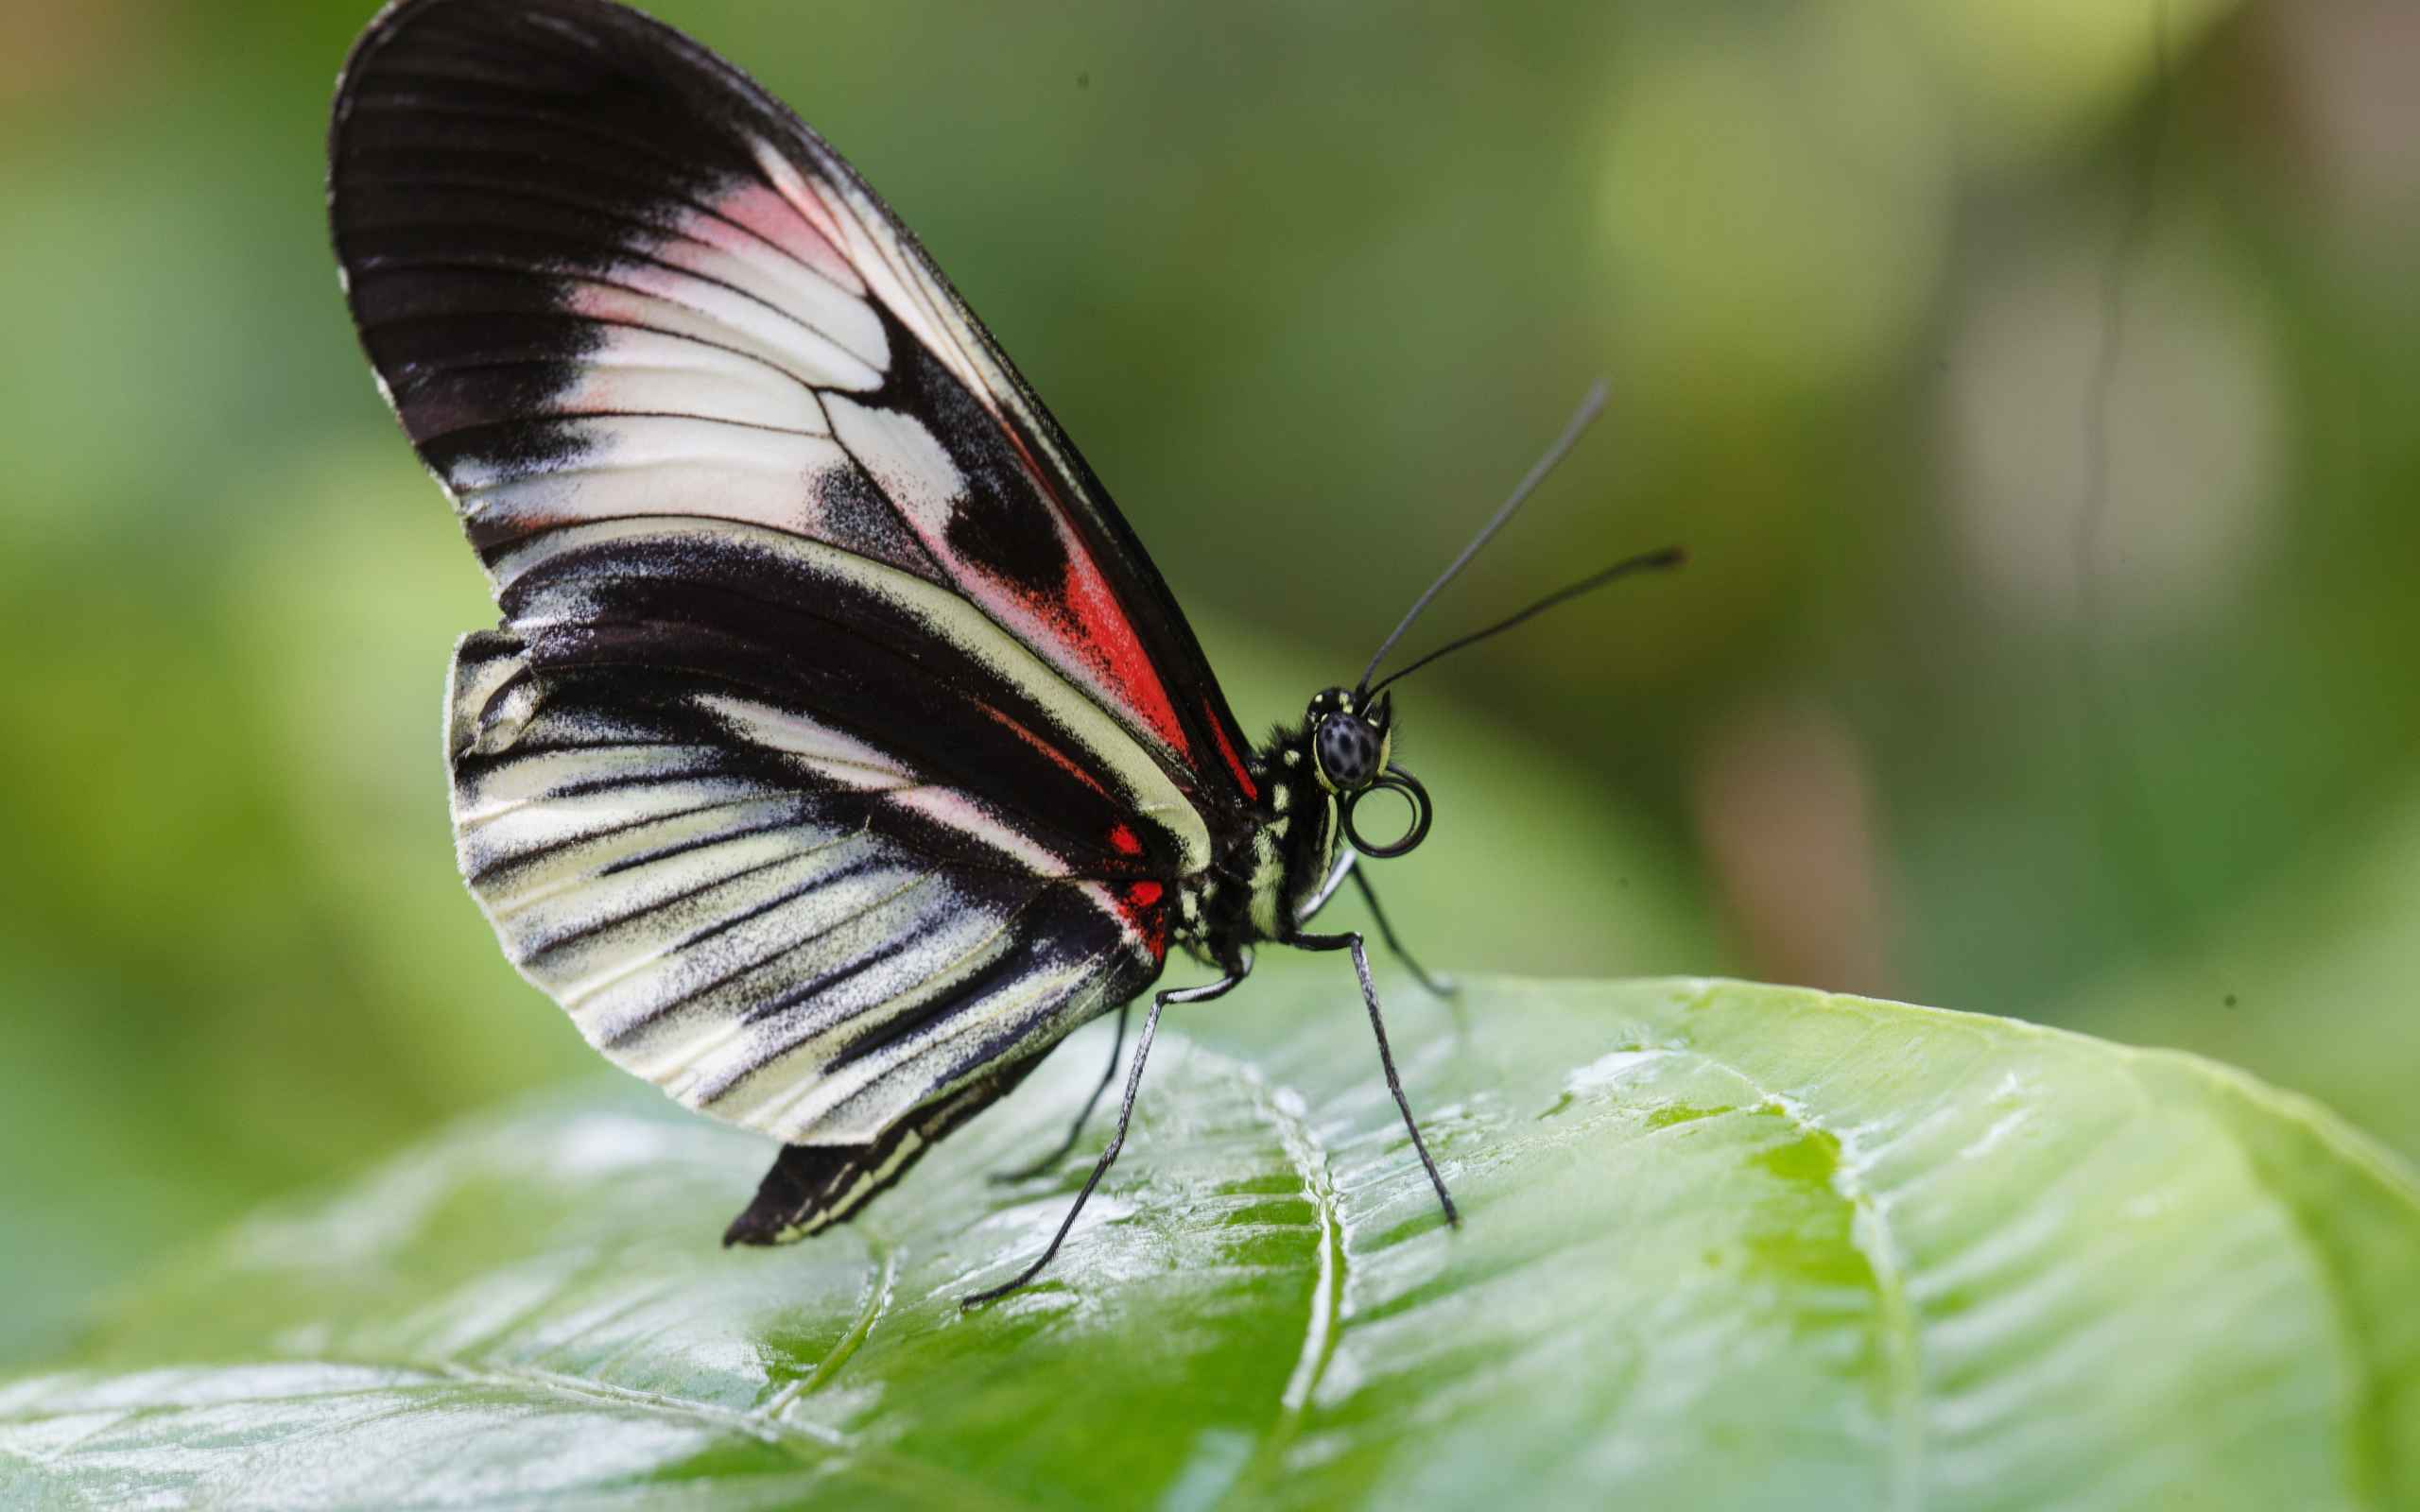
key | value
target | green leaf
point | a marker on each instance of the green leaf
(1726, 1246)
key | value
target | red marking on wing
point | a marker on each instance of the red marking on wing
(1084, 622)
(1090, 610)
(1140, 903)
(1095, 626)
(1058, 757)
(1123, 838)
(1235, 761)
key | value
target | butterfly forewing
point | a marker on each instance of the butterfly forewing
(839, 745)
(603, 275)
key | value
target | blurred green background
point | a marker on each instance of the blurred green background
(2034, 381)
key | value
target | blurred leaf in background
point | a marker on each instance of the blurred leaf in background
(2032, 383)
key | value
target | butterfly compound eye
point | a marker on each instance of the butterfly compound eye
(1348, 747)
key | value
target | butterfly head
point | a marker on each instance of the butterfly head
(1351, 737)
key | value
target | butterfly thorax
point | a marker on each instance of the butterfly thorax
(1257, 891)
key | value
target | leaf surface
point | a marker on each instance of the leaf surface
(1726, 1246)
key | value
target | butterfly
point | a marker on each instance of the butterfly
(839, 750)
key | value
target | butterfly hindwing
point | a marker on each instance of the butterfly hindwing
(813, 1186)
(778, 925)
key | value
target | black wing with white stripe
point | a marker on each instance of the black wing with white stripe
(604, 275)
(841, 750)
(775, 923)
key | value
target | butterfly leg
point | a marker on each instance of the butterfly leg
(1352, 941)
(1116, 1049)
(1125, 1115)
(1443, 986)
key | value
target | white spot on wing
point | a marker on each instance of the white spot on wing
(625, 465)
(646, 372)
(677, 304)
(904, 461)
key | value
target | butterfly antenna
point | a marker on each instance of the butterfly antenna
(1590, 408)
(1651, 561)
